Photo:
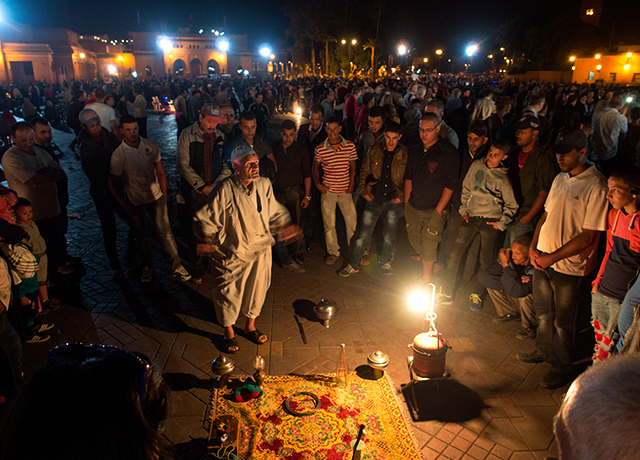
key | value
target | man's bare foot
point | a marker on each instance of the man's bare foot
(255, 336)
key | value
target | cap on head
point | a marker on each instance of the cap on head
(570, 139)
(212, 112)
(528, 121)
(240, 152)
(88, 117)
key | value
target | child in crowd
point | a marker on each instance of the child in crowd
(621, 260)
(488, 206)
(8, 199)
(24, 219)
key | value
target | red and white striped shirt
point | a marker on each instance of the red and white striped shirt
(335, 164)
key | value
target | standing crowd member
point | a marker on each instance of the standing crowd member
(563, 253)
(137, 163)
(235, 228)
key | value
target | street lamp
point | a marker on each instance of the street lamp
(264, 50)
(344, 42)
(572, 59)
(222, 44)
(597, 56)
(164, 43)
(272, 57)
(354, 41)
(402, 50)
(439, 52)
(426, 60)
(629, 54)
(471, 49)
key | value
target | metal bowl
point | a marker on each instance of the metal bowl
(378, 360)
(222, 365)
(325, 311)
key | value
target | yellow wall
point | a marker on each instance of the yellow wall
(609, 64)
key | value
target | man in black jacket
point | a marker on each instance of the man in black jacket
(96, 146)
(73, 121)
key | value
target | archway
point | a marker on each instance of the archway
(178, 67)
(196, 67)
(213, 68)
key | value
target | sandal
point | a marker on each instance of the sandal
(254, 336)
(227, 344)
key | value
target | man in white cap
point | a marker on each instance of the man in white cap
(236, 227)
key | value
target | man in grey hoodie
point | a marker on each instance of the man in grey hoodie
(488, 206)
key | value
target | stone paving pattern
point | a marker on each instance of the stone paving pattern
(491, 408)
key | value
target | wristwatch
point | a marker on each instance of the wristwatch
(308, 198)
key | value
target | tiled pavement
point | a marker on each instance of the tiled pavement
(491, 407)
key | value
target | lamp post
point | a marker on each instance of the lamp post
(352, 42)
(265, 51)
(403, 49)
(471, 50)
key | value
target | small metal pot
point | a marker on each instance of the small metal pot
(325, 311)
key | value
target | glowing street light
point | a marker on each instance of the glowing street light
(82, 55)
(120, 58)
(402, 50)
(598, 67)
(573, 67)
(223, 44)
(627, 67)
(598, 56)
(344, 42)
(572, 59)
(629, 54)
(164, 43)
(354, 41)
(490, 56)
(439, 52)
(426, 59)
(501, 48)
(471, 49)
(265, 50)
(272, 56)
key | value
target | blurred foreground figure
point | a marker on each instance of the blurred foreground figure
(93, 402)
(600, 414)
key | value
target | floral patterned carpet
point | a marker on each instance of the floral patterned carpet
(262, 429)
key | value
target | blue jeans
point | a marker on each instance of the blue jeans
(158, 212)
(372, 212)
(625, 316)
(558, 301)
(603, 314)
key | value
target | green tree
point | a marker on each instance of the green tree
(372, 44)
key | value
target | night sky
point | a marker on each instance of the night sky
(425, 24)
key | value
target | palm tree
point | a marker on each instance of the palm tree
(372, 44)
(313, 34)
(326, 39)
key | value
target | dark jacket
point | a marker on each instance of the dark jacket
(372, 169)
(190, 159)
(507, 279)
(75, 108)
(303, 138)
(96, 162)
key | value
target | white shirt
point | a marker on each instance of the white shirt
(605, 132)
(138, 171)
(105, 113)
(574, 204)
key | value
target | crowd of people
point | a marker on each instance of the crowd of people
(523, 192)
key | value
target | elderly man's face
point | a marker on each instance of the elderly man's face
(248, 168)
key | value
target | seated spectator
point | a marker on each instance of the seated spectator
(89, 401)
(600, 414)
(488, 206)
(621, 260)
(509, 283)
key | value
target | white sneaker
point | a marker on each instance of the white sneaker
(38, 328)
(181, 274)
(147, 275)
(387, 270)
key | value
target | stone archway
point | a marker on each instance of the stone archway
(213, 68)
(178, 67)
(195, 66)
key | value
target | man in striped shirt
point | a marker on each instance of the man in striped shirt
(337, 156)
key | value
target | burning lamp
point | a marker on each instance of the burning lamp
(325, 311)
(222, 366)
(259, 374)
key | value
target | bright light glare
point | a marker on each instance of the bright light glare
(246, 73)
(112, 70)
(629, 100)
(272, 56)
(598, 67)
(629, 54)
(598, 56)
(471, 49)
(120, 58)
(135, 74)
(165, 44)
(82, 55)
(420, 300)
(298, 111)
(223, 44)
(343, 41)
(264, 51)
(439, 52)
(354, 41)
(572, 58)
(402, 50)
(627, 67)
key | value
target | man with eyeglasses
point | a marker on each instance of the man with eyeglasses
(229, 125)
(431, 175)
(200, 162)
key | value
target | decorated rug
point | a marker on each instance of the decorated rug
(263, 429)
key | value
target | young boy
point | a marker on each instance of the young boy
(621, 260)
(488, 206)
(24, 219)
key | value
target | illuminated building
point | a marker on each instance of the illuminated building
(622, 67)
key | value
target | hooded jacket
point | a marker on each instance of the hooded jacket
(487, 192)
